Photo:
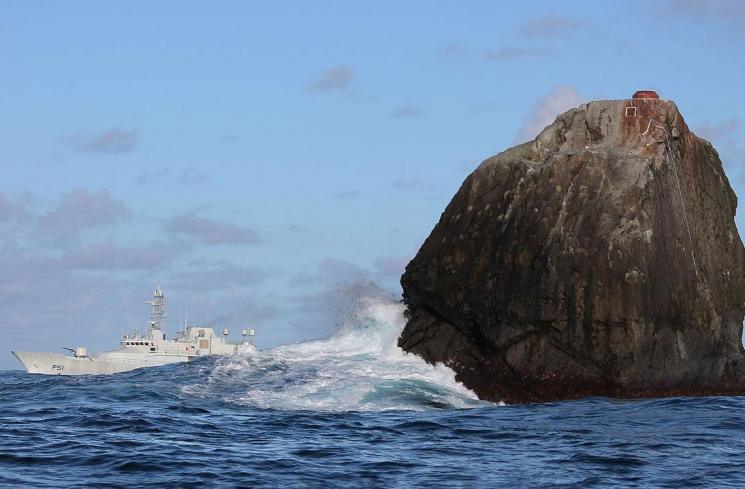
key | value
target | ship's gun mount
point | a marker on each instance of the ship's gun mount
(79, 352)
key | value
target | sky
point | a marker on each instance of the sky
(261, 161)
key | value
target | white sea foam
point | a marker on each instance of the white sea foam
(358, 368)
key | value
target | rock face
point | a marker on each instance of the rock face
(602, 258)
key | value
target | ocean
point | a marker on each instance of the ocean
(349, 411)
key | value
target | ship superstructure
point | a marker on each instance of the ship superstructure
(136, 351)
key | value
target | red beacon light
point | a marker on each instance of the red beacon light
(645, 94)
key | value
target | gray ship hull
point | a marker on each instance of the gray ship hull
(57, 364)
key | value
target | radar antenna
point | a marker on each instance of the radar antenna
(158, 303)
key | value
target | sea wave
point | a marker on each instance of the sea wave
(358, 368)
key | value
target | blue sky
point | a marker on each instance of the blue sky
(251, 156)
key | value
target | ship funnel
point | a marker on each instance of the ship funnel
(225, 332)
(80, 352)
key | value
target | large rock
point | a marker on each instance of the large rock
(602, 258)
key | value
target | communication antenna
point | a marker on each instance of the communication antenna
(158, 304)
(184, 316)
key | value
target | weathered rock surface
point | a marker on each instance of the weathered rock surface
(564, 267)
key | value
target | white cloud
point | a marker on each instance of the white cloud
(724, 11)
(515, 52)
(351, 193)
(11, 209)
(331, 271)
(247, 315)
(114, 140)
(211, 231)
(167, 176)
(83, 209)
(412, 185)
(107, 255)
(296, 228)
(560, 99)
(405, 112)
(217, 276)
(337, 78)
(454, 50)
(550, 26)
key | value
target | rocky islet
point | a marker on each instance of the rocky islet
(601, 258)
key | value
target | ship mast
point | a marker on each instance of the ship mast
(159, 316)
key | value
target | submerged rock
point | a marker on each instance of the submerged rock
(601, 258)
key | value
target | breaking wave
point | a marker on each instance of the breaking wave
(359, 368)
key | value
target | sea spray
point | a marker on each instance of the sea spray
(358, 368)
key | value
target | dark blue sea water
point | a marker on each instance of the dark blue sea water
(350, 411)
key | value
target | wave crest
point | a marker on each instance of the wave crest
(359, 368)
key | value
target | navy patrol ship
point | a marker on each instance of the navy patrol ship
(138, 351)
